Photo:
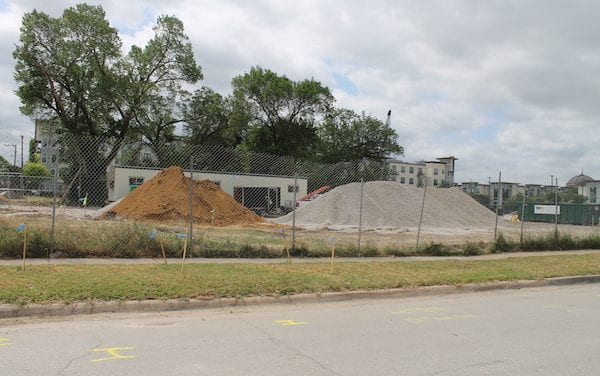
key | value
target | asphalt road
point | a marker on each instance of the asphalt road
(546, 331)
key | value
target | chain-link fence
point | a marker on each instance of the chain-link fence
(134, 198)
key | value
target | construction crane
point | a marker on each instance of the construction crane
(389, 118)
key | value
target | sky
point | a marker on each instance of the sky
(511, 86)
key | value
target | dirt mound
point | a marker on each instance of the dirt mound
(3, 198)
(165, 198)
(389, 205)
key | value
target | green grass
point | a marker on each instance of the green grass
(71, 283)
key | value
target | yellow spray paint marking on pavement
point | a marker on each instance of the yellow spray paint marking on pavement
(414, 311)
(114, 352)
(290, 322)
(421, 320)
(5, 342)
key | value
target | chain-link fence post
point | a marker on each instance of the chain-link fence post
(421, 216)
(556, 212)
(294, 212)
(522, 218)
(191, 205)
(498, 201)
(360, 212)
(54, 187)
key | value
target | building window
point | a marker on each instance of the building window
(291, 188)
(435, 182)
(135, 182)
(402, 180)
(420, 171)
(592, 195)
(435, 171)
(411, 181)
(411, 170)
(442, 172)
(402, 169)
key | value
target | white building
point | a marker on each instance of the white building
(259, 192)
(591, 191)
(435, 173)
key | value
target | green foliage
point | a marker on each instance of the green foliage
(445, 184)
(32, 151)
(481, 198)
(513, 204)
(283, 112)
(35, 169)
(71, 69)
(502, 244)
(345, 136)
(207, 116)
(4, 164)
(571, 196)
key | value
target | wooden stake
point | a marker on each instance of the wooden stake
(184, 251)
(162, 248)
(24, 244)
(332, 253)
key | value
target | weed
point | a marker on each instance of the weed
(502, 244)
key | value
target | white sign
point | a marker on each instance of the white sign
(546, 209)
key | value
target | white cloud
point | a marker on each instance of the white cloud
(508, 85)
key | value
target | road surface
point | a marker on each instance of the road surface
(546, 331)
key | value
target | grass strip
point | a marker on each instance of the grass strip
(71, 283)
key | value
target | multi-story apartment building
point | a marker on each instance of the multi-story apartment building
(47, 144)
(432, 173)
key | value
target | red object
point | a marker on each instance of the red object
(313, 194)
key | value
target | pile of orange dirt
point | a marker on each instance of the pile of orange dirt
(3, 198)
(165, 198)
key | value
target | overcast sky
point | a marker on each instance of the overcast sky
(501, 85)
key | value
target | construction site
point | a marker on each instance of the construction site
(376, 215)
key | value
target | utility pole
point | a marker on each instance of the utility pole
(15, 156)
(21, 152)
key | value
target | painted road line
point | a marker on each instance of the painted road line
(114, 352)
(290, 322)
(5, 342)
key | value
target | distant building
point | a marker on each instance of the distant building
(47, 144)
(434, 173)
(590, 190)
(578, 180)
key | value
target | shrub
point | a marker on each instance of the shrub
(473, 249)
(501, 244)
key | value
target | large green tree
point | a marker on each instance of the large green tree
(284, 113)
(207, 119)
(346, 136)
(72, 68)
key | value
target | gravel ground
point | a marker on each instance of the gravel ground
(388, 206)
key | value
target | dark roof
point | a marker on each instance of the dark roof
(578, 180)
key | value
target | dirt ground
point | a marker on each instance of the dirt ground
(397, 237)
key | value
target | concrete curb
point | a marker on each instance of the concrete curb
(120, 306)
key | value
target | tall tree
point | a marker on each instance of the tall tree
(71, 68)
(207, 119)
(284, 112)
(346, 136)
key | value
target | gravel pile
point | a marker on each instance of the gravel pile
(390, 205)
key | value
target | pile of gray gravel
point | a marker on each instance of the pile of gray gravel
(390, 205)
